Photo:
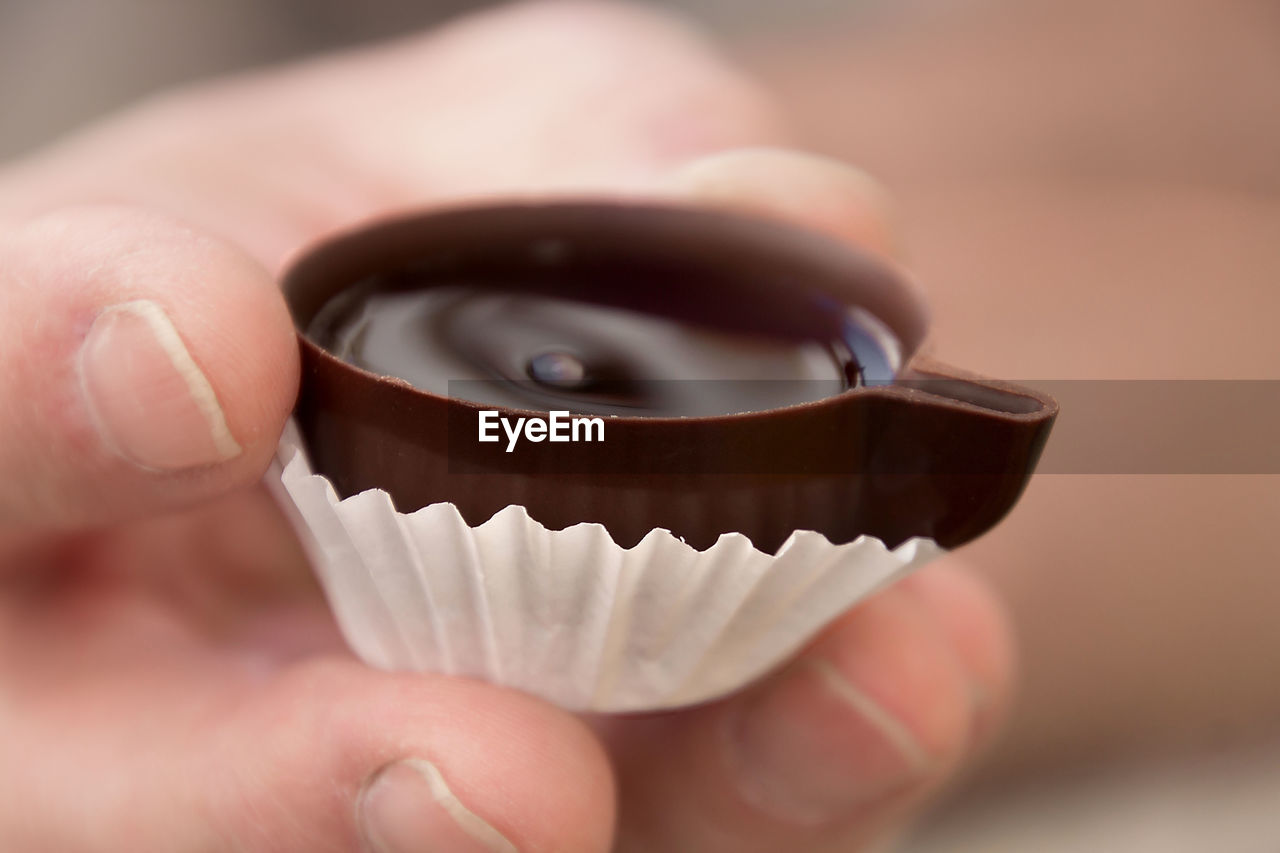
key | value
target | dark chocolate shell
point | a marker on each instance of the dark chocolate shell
(936, 453)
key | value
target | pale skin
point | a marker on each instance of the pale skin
(170, 677)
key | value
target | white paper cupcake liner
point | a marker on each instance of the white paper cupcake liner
(569, 615)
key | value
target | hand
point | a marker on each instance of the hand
(170, 678)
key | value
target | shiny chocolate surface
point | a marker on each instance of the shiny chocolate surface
(564, 346)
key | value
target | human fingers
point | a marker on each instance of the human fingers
(179, 753)
(832, 751)
(143, 366)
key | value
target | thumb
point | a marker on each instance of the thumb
(143, 366)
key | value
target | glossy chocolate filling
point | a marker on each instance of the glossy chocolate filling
(601, 341)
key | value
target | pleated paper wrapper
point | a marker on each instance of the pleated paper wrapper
(569, 615)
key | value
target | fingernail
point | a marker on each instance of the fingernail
(811, 748)
(726, 171)
(148, 398)
(808, 189)
(407, 807)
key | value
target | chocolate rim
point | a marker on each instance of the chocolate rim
(939, 453)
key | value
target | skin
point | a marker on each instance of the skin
(170, 677)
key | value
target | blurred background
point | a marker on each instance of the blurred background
(1089, 190)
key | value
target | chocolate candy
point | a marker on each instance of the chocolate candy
(753, 377)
